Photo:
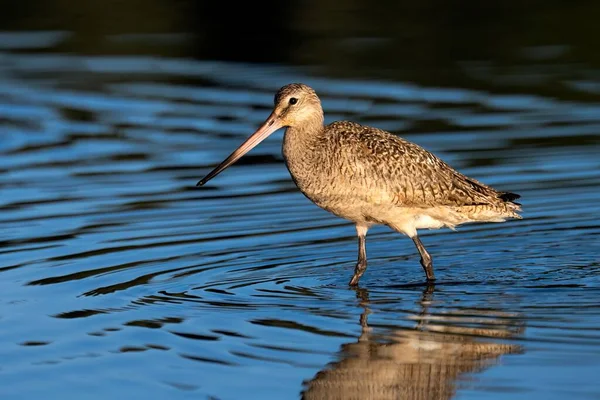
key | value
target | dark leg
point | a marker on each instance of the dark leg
(425, 259)
(361, 265)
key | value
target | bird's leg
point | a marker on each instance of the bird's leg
(425, 259)
(361, 265)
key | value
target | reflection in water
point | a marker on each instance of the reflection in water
(424, 363)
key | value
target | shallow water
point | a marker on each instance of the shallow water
(120, 278)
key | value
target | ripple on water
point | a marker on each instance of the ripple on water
(114, 264)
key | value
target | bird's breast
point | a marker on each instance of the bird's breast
(333, 181)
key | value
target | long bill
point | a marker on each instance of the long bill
(269, 126)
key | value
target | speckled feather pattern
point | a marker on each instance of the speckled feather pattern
(371, 176)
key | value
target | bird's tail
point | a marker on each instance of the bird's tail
(512, 207)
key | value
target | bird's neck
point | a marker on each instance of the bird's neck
(303, 138)
(301, 143)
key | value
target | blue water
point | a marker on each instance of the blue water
(120, 278)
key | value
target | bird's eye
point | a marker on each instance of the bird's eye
(293, 100)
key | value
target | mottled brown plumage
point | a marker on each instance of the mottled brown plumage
(370, 176)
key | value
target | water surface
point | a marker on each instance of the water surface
(120, 278)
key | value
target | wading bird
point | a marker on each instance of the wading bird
(372, 177)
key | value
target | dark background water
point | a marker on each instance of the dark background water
(120, 278)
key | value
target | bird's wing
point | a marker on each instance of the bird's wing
(410, 175)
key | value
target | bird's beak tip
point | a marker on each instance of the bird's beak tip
(269, 126)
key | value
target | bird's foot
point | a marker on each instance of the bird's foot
(359, 270)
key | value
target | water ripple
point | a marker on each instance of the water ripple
(111, 259)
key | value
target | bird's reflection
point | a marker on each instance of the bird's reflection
(426, 362)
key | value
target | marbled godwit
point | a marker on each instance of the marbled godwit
(370, 176)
